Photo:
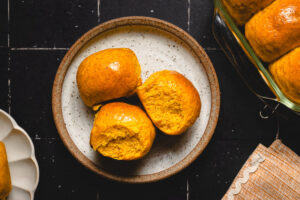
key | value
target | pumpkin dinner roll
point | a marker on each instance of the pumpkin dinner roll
(275, 30)
(5, 182)
(107, 75)
(122, 132)
(286, 72)
(171, 101)
(242, 10)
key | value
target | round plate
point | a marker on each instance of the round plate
(22, 163)
(158, 45)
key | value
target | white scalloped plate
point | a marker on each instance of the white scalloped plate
(23, 166)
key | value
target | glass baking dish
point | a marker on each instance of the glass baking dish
(236, 47)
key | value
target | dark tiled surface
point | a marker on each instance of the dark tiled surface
(173, 188)
(239, 113)
(32, 75)
(174, 11)
(4, 23)
(55, 23)
(289, 133)
(50, 23)
(4, 78)
(201, 23)
(31, 84)
(212, 173)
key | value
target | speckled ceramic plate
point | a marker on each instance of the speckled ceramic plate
(23, 166)
(158, 45)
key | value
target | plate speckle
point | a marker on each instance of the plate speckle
(156, 50)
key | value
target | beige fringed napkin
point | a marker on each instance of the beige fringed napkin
(269, 173)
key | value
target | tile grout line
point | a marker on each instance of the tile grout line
(38, 48)
(9, 85)
(8, 19)
(187, 189)
(98, 10)
(9, 60)
(189, 15)
(212, 49)
(47, 138)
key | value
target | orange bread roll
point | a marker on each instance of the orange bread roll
(286, 72)
(275, 30)
(5, 182)
(242, 10)
(108, 74)
(122, 132)
(171, 101)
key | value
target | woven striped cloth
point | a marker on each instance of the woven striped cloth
(269, 174)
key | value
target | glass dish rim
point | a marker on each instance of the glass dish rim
(264, 72)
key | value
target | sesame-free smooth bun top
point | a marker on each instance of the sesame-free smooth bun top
(122, 132)
(5, 181)
(171, 101)
(275, 30)
(107, 75)
(286, 72)
(242, 10)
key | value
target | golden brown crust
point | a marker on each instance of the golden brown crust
(122, 131)
(5, 181)
(242, 10)
(275, 30)
(171, 101)
(286, 72)
(107, 75)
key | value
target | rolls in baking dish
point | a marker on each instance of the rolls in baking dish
(286, 73)
(242, 10)
(275, 30)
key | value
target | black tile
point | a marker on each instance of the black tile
(173, 188)
(4, 23)
(50, 23)
(32, 75)
(239, 112)
(174, 11)
(4, 79)
(62, 177)
(212, 173)
(201, 23)
(289, 132)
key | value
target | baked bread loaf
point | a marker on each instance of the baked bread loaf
(5, 182)
(108, 74)
(122, 132)
(286, 73)
(275, 30)
(242, 10)
(171, 101)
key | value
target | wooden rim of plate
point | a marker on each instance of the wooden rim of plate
(145, 21)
